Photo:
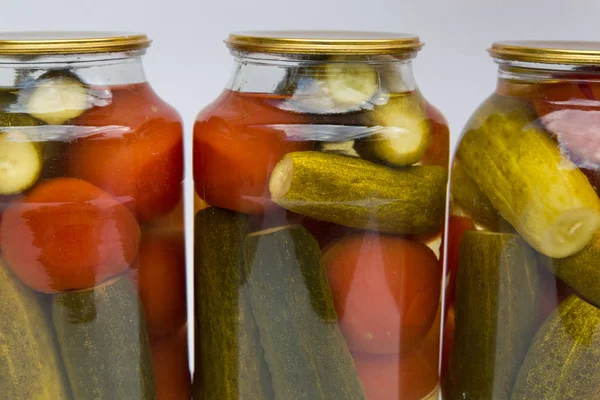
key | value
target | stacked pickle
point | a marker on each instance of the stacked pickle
(524, 247)
(314, 278)
(81, 239)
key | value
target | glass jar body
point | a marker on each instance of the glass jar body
(91, 227)
(320, 184)
(522, 238)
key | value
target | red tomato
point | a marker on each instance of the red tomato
(412, 376)
(160, 275)
(438, 152)
(171, 222)
(67, 234)
(235, 150)
(143, 167)
(171, 367)
(571, 111)
(385, 289)
(5, 201)
(457, 226)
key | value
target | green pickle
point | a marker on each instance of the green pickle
(345, 148)
(467, 197)
(21, 161)
(563, 362)
(230, 361)
(293, 306)
(21, 156)
(580, 271)
(55, 97)
(515, 163)
(104, 343)
(359, 194)
(30, 366)
(497, 296)
(404, 134)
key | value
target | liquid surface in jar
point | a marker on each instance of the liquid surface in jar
(523, 289)
(91, 241)
(317, 239)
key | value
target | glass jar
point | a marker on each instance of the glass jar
(523, 231)
(92, 286)
(320, 174)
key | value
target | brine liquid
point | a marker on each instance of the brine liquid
(98, 235)
(380, 290)
(553, 295)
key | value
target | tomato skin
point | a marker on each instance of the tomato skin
(170, 366)
(438, 152)
(385, 289)
(457, 226)
(570, 110)
(235, 151)
(142, 167)
(160, 276)
(410, 376)
(567, 95)
(5, 201)
(67, 234)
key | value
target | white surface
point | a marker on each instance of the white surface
(188, 64)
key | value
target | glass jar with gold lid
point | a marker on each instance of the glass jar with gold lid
(320, 175)
(524, 231)
(92, 261)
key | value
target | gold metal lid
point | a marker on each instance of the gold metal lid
(549, 52)
(324, 42)
(70, 42)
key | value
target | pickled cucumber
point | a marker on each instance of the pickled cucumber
(526, 178)
(351, 83)
(359, 194)
(497, 296)
(332, 86)
(580, 271)
(405, 132)
(563, 362)
(467, 196)
(21, 162)
(56, 97)
(104, 343)
(30, 366)
(229, 358)
(293, 306)
(345, 148)
(11, 113)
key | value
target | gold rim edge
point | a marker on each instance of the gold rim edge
(108, 44)
(544, 55)
(320, 46)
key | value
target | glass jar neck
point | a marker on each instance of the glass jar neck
(527, 72)
(264, 73)
(103, 69)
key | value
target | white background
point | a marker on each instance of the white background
(188, 64)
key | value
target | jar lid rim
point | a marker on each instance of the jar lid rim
(324, 42)
(547, 51)
(71, 42)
